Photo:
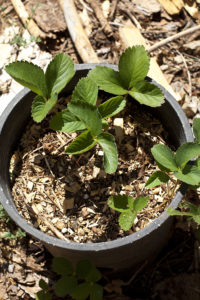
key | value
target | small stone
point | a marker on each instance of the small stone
(60, 225)
(84, 212)
(30, 185)
(96, 171)
(81, 231)
(119, 128)
(10, 268)
(68, 204)
(86, 196)
(100, 153)
(64, 230)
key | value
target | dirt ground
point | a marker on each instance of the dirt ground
(175, 273)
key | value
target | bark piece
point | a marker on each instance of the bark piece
(77, 32)
(48, 15)
(25, 18)
(130, 36)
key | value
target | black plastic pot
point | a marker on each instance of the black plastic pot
(118, 254)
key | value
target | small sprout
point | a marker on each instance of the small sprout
(128, 207)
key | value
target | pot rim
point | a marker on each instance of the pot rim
(101, 246)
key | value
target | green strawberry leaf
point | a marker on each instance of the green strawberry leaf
(186, 152)
(112, 107)
(83, 268)
(82, 291)
(190, 175)
(126, 219)
(83, 143)
(196, 129)
(86, 90)
(62, 266)
(96, 292)
(120, 203)
(94, 275)
(147, 93)
(40, 107)
(196, 219)
(29, 75)
(133, 66)
(65, 285)
(140, 203)
(108, 80)
(157, 178)
(197, 163)
(59, 72)
(107, 142)
(88, 114)
(66, 122)
(164, 156)
(43, 295)
(173, 212)
(43, 285)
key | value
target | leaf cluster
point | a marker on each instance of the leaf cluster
(80, 283)
(82, 113)
(178, 163)
(128, 208)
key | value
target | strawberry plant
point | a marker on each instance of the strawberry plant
(82, 114)
(177, 164)
(128, 207)
(80, 283)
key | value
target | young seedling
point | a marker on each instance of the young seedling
(82, 114)
(179, 164)
(133, 68)
(46, 85)
(44, 294)
(80, 283)
(128, 207)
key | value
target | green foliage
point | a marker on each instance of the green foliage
(179, 163)
(193, 212)
(133, 68)
(107, 142)
(44, 294)
(128, 208)
(7, 235)
(80, 283)
(196, 129)
(157, 178)
(46, 85)
(86, 90)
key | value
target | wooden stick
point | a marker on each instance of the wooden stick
(77, 32)
(114, 6)
(99, 14)
(173, 37)
(26, 20)
(48, 224)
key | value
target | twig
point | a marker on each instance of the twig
(131, 17)
(26, 20)
(114, 6)
(135, 275)
(48, 165)
(48, 224)
(188, 73)
(99, 14)
(86, 6)
(173, 37)
(77, 32)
